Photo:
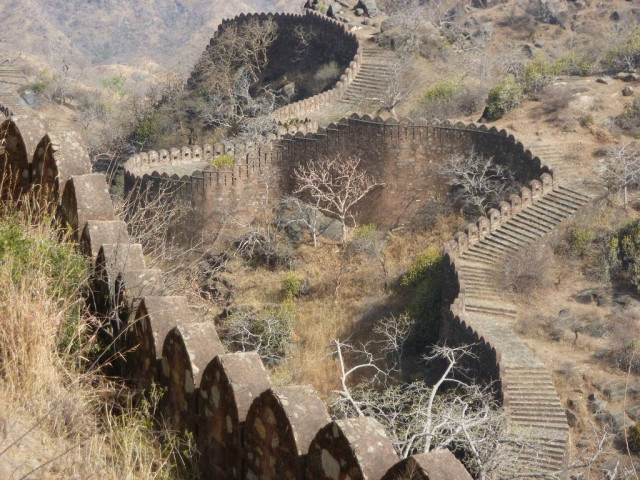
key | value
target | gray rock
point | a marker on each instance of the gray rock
(359, 12)
(627, 91)
(366, 21)
(604, 80)
(538, 44)
(528, 50)
(31, 98)
(596, 406)
(572, 418)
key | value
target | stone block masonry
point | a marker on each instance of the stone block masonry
(403, 155)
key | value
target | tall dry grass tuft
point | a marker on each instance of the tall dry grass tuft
(59, 416)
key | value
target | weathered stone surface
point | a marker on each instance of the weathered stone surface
(357, 449)
(155, 317)
(85, 197)
(279, 429)
(229, 385)
(58, 158)
(186, 351)
(99, 232)
(112, 260)
(131, 286)
(14, 162)
(435, 465)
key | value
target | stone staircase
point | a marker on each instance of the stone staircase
(372, 82)
(563, 159)
(11, 79)
(531, 400)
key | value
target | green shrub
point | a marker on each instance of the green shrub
(114, 84)
(629, 119)
(365, 232)
(225, 160)
(537, 74)
(291, 285)
(26, 251)
(148, 129)
(581, 241)
(574, 63)
(503, 97)
(43, 81)
(424, 277)
(634, 438)
(442, 92)
(587, 120)
(626, 54)
(322, 7)
(422, 268)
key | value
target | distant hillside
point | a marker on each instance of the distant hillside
(91, 32)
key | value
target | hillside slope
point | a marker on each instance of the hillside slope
(85, 32)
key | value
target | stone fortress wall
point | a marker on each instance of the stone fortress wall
(403, 154)
(244, 426)
(226, 399)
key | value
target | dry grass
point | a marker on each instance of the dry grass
(58, 412)
(320, 317)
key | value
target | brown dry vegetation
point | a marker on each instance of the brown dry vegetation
(59, 416)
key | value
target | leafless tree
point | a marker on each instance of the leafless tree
(476, 180)
(337, 185)
(621, 170)
(403, 82)
(228, 77)
(419, 418)
(305, 215)
(269, 332)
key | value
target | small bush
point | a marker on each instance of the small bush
(503, 97)
(322, 7)
(587, 120)
(442, 92)
(626, 54)
(148, 129)
(527, 270)
(225, 160)
(574, 63)
(269, 332)
(291, 285)
(629, 119)
(537, 75)
(424, 278)
(422, 268)
(43, 82)
(581, 241)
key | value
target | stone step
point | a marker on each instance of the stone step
(547, 211)
(520, 232)
(479, 258)
(497, 311)
(511, 237)
(556, 206)
(533, 223)
(540, 219)
(566, 200)
(569, 192)
(520, 229)
(508, 244)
